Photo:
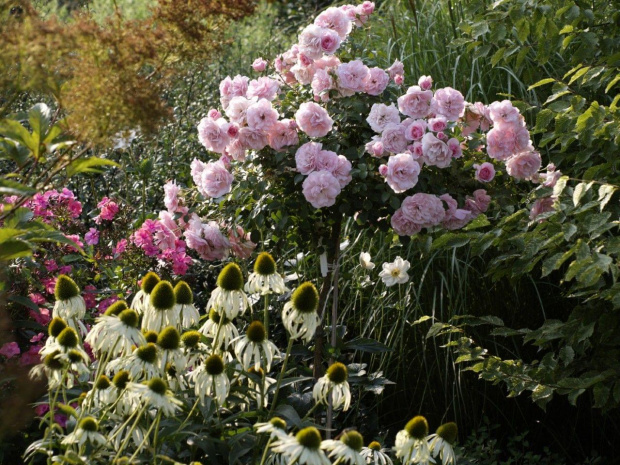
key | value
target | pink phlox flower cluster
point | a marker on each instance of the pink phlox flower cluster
(51, 204)
(107, 210)
(10, 350)
(92, 237)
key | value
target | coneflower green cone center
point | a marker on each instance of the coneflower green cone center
(448, 431)
(149, 282)
(56, 326)
(191, 338)
(116, 308)
(214, 365)
(265, 265)
(417, 427)
(374, 445)
(306, 298)
(162, 296)
(52, 362)
(150, 336)
(147, 353)
(337, 373)
(230, 278)
(256, 332)
(169, 338)
(183, 293)
(278, 423)
(103, 382)
(158, 386)
(65, 288)
(216, 317)
(89, 424)
(129, 318)
(309, 437)
(68, 337)
(353, 439)
(121, 379)
(75, 356)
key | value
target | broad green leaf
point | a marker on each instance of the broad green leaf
(560, 186)
(25, 301)
(604, 194)
(10, 187)
(88, 165)
(613, 82)
(542, 82)
(365, 344)
(579, 191)
(14, 248)
(578, 74)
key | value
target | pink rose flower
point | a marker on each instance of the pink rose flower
(351, 75)
(542, 205)
(321, 188)
(261, 115)
(404, 225)
(416, 130)
(206, 239)
(455, 147)
(375, 147)
(259, 65)
(303, 73)
(42, 316)
(240, 243)
(476, 116)
(402, 172)
(120, 247)
(335, 19)
(523, 165)
(254, 139)
(417, 149)
(171, 196)
(435, 152)
(214, 114)
(438, 124)
(314, 41)
(397, 69)
(550, 178)
(479, 203)
(326, 160)
(92, 237)
(321, 82)
(263, 87)
(393, 138)
(282, 135)
(399, 79)
(455, 217)
(485, 172)
(343, 171)
(449, 103)
(213, 180)
(416, 103)
(10, 350)
(375, 81)
(305, 157)
(425, 82)
(37, 298)
(381, 115)
(424, 209)
(313, 119)
(365, 8)
(506, 140)
(237, 109)
(504, 113)
(213, 134)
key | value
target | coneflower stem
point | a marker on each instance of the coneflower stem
(281, 375)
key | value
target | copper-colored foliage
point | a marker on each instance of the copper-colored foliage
(109, 78)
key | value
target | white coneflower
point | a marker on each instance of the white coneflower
(161, 312)
(76, 360)
(55, 327)
(188, 315)
(128, 402)
(265, 279)
(346, 449)
(86, 431)
(122, 428)
(103, 393)
(333, 385)
(411, 445)
(220, 327)
(228, 298)
(142, 300)
(193, 348)
(155, 394)
(299, 315)
(210, 380)
(52, 368)
(395, 272)
(375, 455)
(276, 428)
(248, 348)
(259, 390)
(303, 449)
(441, 442)
(142, 364)
(70, 305)
(117, 335)
(169, 340)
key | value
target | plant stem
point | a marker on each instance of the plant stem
(286, 357)
(266, 316)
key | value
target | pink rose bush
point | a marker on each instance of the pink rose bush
(408, 134)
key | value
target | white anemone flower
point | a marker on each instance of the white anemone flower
(299, 315)
(333, 385)
(375, 455)
(221, 334)
(142, 364)
(411, 445)
(365, 261)
(395, 272)
(346, 449)
(155, 394)
(441, 442)
(211, 380)
(303, 449)
(85, 432)
(228, 298)
(265, 279)
(254, 348)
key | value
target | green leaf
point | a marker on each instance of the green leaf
(560, 185)
(613, 82)
(365, 344)
(10, 187)
(542, 82)
(497, 56)
(25, 301)
(543, 119)
(579, 191)
(604, 194)
(451, 240)
(88, 165)
(578, 74)
(478, 222)
(14, 248)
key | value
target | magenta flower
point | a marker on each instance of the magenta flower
(10, 350)
(92, 237)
